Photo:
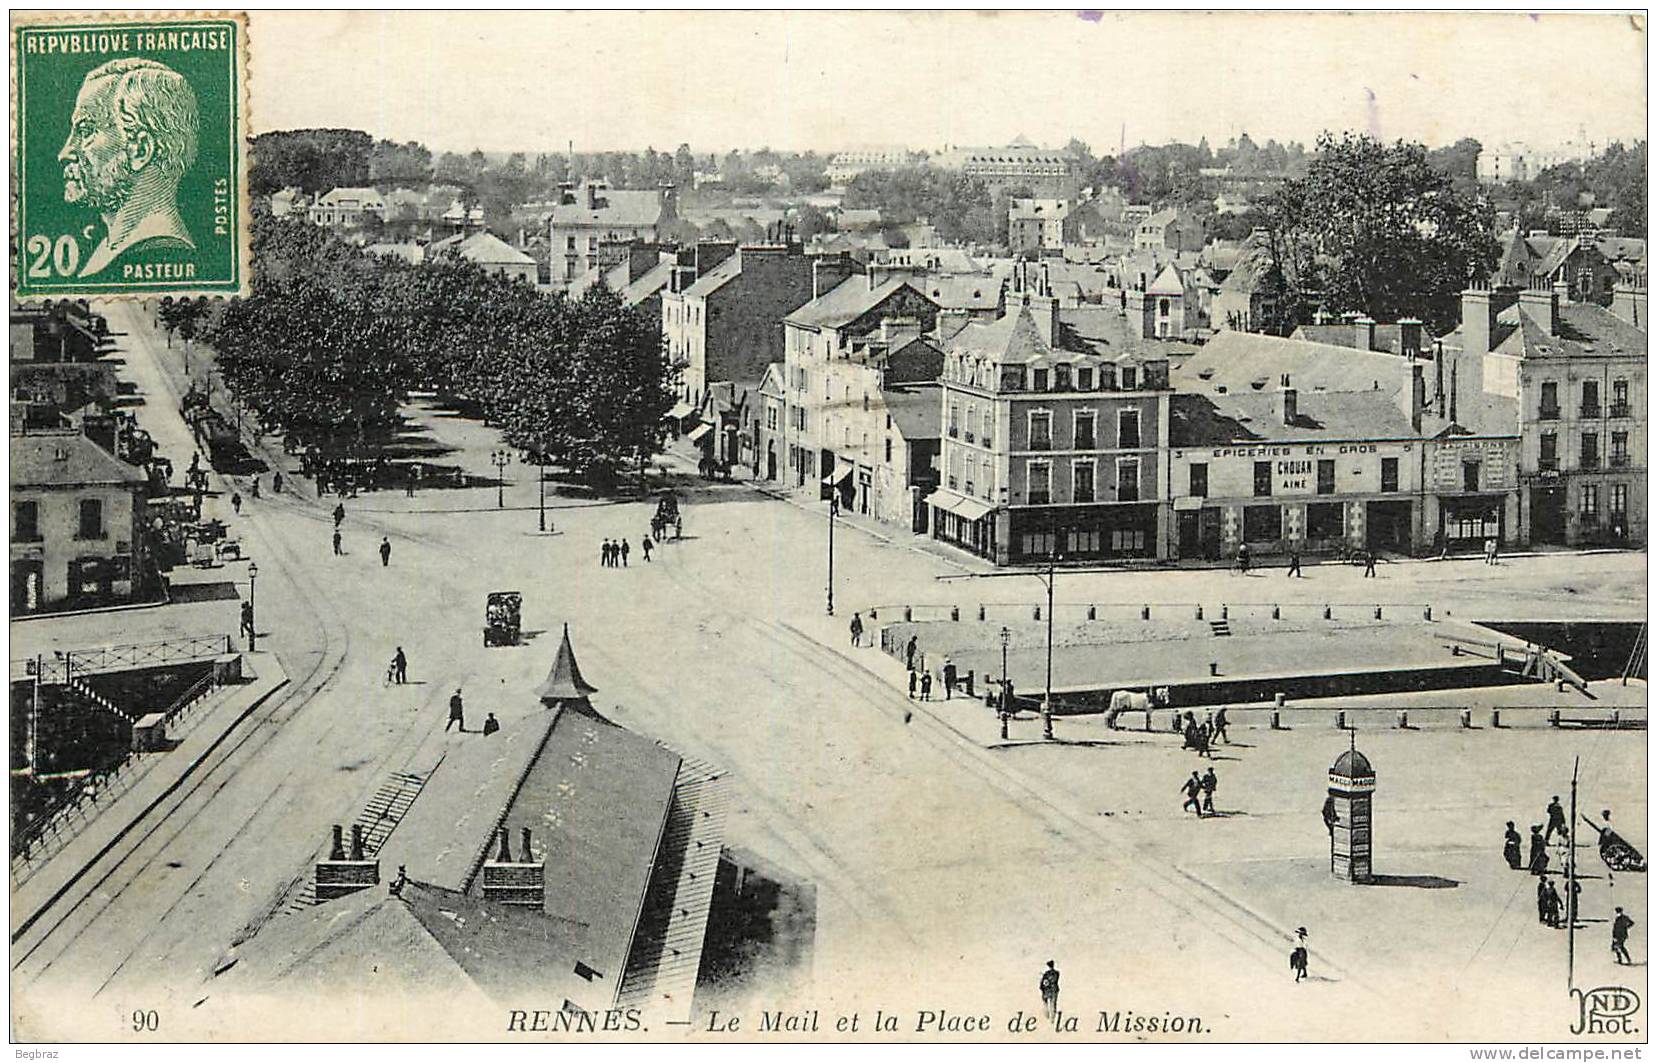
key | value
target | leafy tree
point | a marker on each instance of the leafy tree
(1374, 228)
(313, 160)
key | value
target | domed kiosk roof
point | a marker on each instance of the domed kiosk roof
(1353, 765)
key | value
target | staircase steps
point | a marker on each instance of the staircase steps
(378, 819)
(1221, 628)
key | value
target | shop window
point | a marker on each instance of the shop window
(1127, 540)
(1083, 542)
(1262, 479)
(1326, 476)
(1262, 523)
(1619, 501)
(1325, 520)
(1039, 544)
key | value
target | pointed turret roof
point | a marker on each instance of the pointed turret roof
(564, 682)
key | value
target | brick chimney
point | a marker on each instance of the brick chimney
(591, 192)
(1415, 403)
(1289, 405)
(1480, 306)
(338, 876)
(1363, 332)
(1409, 337)
(828, 271)
(521, 882)
(1542, 306)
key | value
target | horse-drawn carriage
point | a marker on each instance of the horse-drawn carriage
(503, 619)
(1617, 853)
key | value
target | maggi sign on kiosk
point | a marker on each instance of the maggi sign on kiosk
(1351, 788)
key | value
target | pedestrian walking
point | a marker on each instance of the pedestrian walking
(857, 629)
(236, 502)
(1210, 783)
(399, 664)
(490, 724)
(1298, 956)
(1243, 559)
(1512, 848)
(385, 551)
(1619, 937)
(1205, 741)
(604, 555)
(1193, 794)
(1369, 564)
(457, 713)
(1538, 851)
(1221, 724)
(911, 683)
(949, 680)
(926, 686)
(337, 550)
(1556, 822)
(247, 620)
(339, 514)
(255, 491)
(647, 546)
(625, 550)
(276, 484)
(1050, 991)
(909, 651)
(1294, 564)
(1544, 904)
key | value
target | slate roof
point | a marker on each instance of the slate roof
(623, 207)
(961, 291)
(1243, 362)
(717, 277)
(1215, 420)
(1105, 331)
(1389, 338)
(847, 301)
(1039, 209)
(1586, 329)
(1168, 282)
(1010, 339)
(648, 283)
(917, 410)
(367, 198)
(66, 459)
(487, 249)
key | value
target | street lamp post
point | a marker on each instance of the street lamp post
(1006, 703)
(500, 459)
(541, 481)
(834, 511)
(1047, 697)
(252, 606)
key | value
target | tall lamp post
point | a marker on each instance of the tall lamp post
(1047, 698)
(253, 606)
(541, 481)
(1006, 702)
(500, 459)
(834, 511)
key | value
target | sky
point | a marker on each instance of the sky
(522, 81)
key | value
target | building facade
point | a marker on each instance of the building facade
(594, 213)
(76, 525)
(727, 324)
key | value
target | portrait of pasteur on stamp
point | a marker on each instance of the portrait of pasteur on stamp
(129, 137)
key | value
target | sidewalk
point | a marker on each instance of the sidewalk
(199, 736)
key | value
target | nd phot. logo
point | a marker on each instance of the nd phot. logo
(1610, 1009)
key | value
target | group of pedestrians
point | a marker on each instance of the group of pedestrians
(615, 552)
(1552, 909)
(1201, 737)
(457, 716)
(1199, 792)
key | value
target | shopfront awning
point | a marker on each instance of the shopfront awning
(960, 505)
(679, 412)
(838, 476)
(698, 432)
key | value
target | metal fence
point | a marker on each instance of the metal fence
(62, 665)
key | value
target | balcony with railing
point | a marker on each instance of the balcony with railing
(1590, 411)
(1549, 413)
(1620, 461)
(1041, 442)
(1547, 463)
(1620, 409)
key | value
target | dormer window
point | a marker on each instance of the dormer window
(1061, 378)
(1040, 380)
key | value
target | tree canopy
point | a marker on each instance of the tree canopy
(1375, 228)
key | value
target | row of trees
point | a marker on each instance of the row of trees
(331, 340)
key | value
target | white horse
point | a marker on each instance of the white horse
(1136, 701)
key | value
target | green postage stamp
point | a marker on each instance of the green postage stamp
(129, 139)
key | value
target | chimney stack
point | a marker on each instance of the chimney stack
(828, 271)
(1290, 401)
(521, 883)
(591, 191)
(1480, 307)
(1542, 305)
(337, 876)
(1364, 332)
(1409, 337)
